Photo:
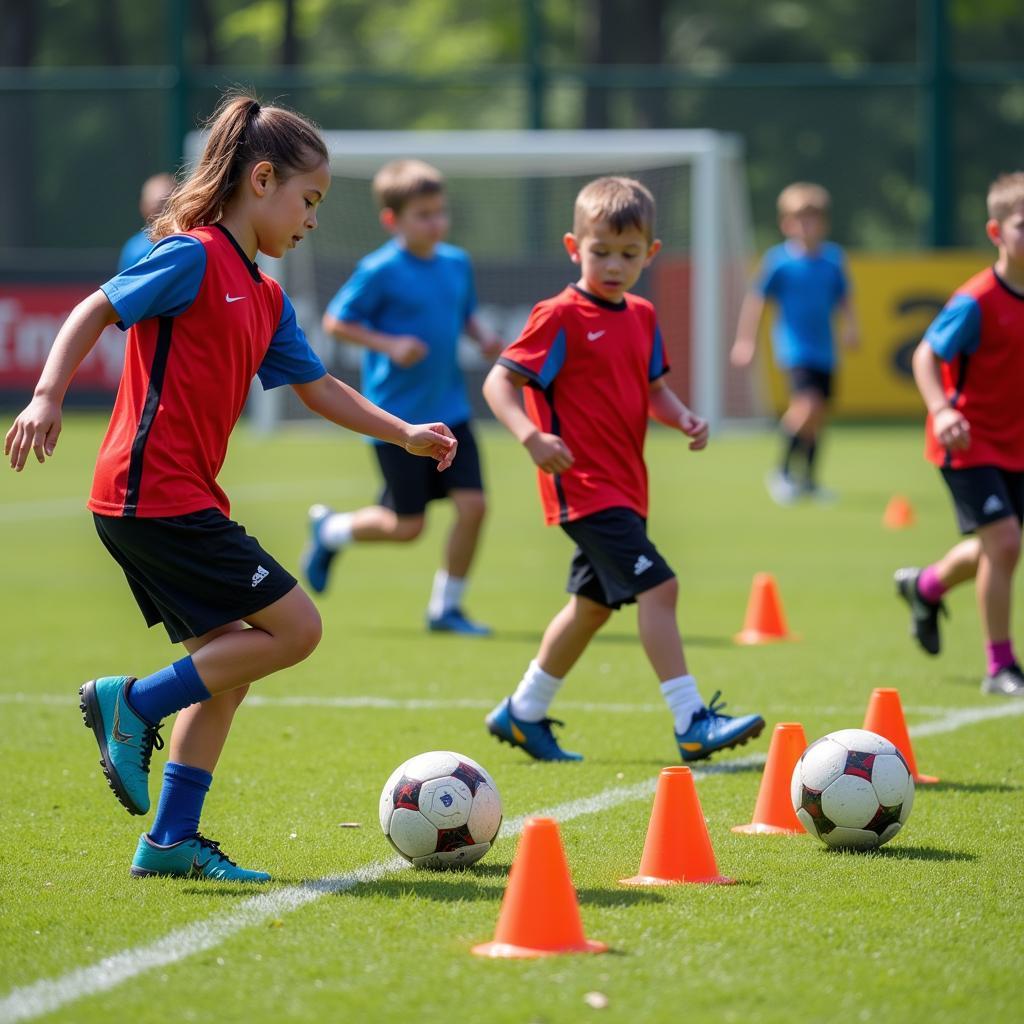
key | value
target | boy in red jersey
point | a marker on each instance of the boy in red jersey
(592, 363)
(969, 369)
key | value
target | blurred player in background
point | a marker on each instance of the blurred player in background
(805, 276)
(155, 193)
(590, 364)
(407, 305)
(969, 369)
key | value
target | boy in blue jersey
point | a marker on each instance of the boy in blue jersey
(407, 305)
(806, 278)
(156, 190)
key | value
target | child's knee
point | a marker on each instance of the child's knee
(471, 506)
(590, 613)
(408, 527)
(305, 635)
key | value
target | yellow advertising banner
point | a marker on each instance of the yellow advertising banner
(895, 297)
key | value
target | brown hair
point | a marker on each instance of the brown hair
(401, 180)
(1005, 194)
(241, 133)
(620, 202)
(803, 195)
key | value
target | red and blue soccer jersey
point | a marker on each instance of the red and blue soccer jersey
(979, 336)
(589, 364)
(202, 321)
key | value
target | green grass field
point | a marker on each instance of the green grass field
(928, 929)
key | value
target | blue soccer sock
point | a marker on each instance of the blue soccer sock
(181, 803)
(169, 690)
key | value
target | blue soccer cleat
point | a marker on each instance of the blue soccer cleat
(536, 738)
(316, 559)
(710, 730)
(197, 857)
(454, 621)
(126, 740)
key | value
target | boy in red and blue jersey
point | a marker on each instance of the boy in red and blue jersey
(969, 369)
(590, 363)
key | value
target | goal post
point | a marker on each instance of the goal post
(511, 194)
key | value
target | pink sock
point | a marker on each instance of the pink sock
(1000, 655)
(929, 586)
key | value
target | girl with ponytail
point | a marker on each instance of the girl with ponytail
(203, 320)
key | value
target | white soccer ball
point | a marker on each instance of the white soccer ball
(852, 789)
(440, 810)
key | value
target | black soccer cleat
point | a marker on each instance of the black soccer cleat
(924, 615)
(1007, 682)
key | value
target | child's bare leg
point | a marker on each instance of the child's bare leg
(568, 634)
(377, 523)
(958, 564)
(282, 634)
(470, 510)
(659, 631)
(797, 417)
(1000, 552)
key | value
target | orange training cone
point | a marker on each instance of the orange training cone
(773, 812)
(885, 716)
(677, 848)
(765, 621)
(899, 513)
(539, 914)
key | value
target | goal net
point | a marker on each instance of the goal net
(511, 195)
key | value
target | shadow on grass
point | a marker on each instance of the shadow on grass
(906, 853)
(532, 636)
(970, 787)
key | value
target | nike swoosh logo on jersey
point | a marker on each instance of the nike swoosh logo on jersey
(234, 298)
(594, 335)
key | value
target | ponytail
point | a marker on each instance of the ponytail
(241, 133)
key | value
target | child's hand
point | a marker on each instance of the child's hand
(851, 338)
(36, 429)
(951, 429)
(407, 350)
(696, 429)
(742, 352)
(549, 452)
(434, 440)
(491, 346)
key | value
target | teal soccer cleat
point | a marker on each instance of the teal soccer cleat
(536, 738)
(316, 559)
(455, 621)
(126, 740)
(710, 730)
(197, 857)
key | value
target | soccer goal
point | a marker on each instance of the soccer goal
(511, 195)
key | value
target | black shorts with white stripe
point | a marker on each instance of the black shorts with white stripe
(614, 559)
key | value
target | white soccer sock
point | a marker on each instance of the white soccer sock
(534, 694)
(446, 593)
(682, 699)
(336, 530)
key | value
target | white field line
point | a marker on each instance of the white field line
(50, 994)
(456, 704)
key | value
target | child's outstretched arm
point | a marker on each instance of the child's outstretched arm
(501, 391)
(401, 349)
(851, 329)
(665, 406)
(337, 402)
(949, 425)
(37, 426)
(745, 345)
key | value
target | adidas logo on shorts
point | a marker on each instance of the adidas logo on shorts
(992, 505)
(643, 563)
(259, 575)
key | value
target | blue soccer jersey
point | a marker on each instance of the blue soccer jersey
(807, 288)
(395, 292)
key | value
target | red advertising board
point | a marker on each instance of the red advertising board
(30, 316)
